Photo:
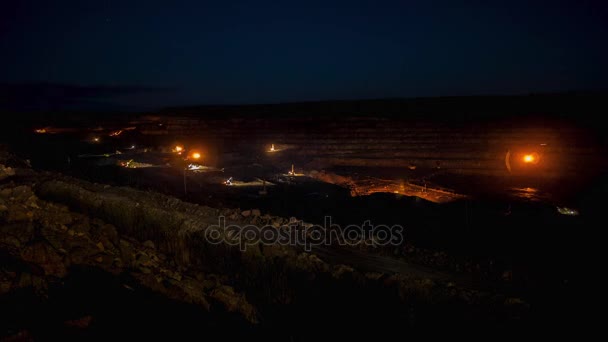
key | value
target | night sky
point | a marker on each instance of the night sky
(155, 53)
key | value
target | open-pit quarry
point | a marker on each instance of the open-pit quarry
(157, 214)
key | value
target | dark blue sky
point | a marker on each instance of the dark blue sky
(198, 52)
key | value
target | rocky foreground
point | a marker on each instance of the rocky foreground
(54, 228)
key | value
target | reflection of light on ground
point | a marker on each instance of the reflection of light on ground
(293, 173)
(567, 211)
(531, 194)
(255, 183)
(274, 149)
(131, 164)
(202, 168)
(106, 155)
(56, 130)
(369, 185)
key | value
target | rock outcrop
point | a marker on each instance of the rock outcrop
(6, 172)
(271, 273)
(52, 224)
(48, 240)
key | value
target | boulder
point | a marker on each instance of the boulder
(6, 172)
(149, 244)
(127, 253)
(19, 213)
(234, 302)
(342, 271)
(44, 256)
(277, 222)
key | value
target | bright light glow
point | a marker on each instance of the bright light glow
(567, 211)
(529, 158)
(41, 131)
(116, 133)
(96, 139)
(178, 148)
(274, 149)
(196, 155)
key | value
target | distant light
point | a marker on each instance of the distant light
(41, 131)
(529, 158)
(178, 149)
(96, 139)
(272, 148)
(116, 133)
(196, 155)
(567, 211)
(194, 167)
(128, 163)
(132, 146)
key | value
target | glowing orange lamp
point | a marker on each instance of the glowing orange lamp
(529, 158)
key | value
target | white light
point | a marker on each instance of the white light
(567, 211)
